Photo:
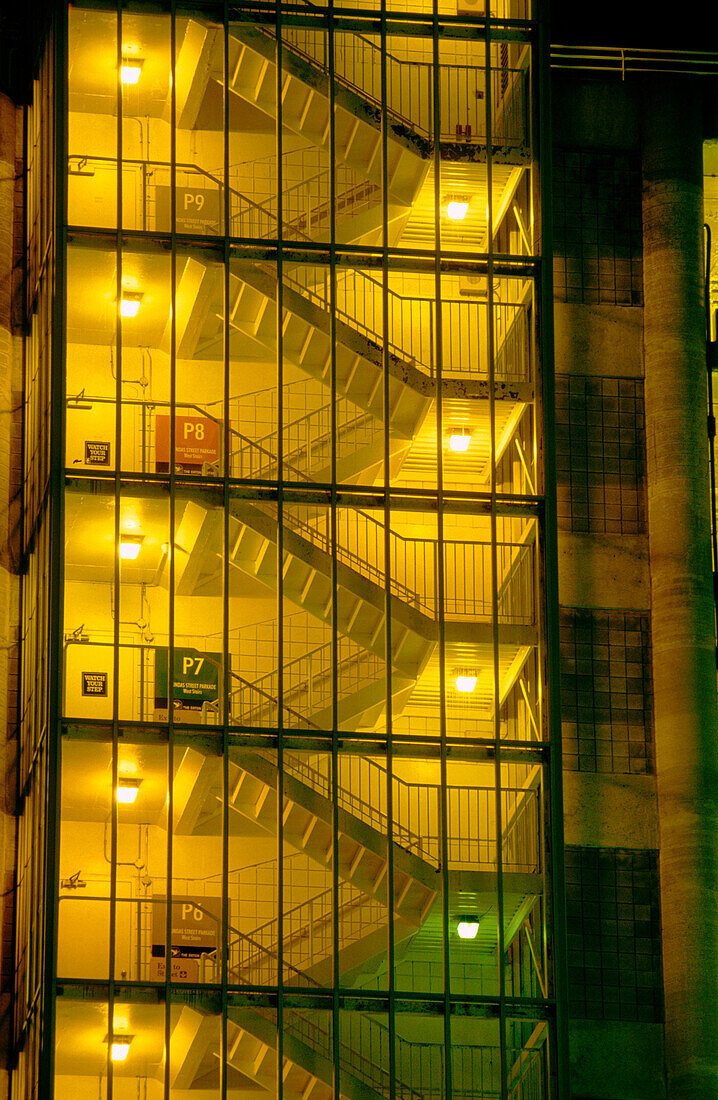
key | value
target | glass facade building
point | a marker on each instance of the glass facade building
(289, 609)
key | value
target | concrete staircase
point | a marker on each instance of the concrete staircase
(307, 1064)
(308, 577)
(307, 343)
(307, 108)
(308, 825)
(308, 1051)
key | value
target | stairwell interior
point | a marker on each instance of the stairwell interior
(302, 558)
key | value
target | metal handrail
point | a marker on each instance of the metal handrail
(181, 166)
(393, 62)
(400, 306)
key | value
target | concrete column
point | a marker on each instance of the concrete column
(684, 663)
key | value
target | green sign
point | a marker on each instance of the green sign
(195, 678)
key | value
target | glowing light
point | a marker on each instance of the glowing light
(127, 790)
(130, 70)
(466, 680)
(467, 929)
(119, 1049)
(456, 210)
(130, 304)
(130, 546)
(459, 441)
(119, 1045)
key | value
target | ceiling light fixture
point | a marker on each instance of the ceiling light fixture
(457, 209)
(459, 441)
(130, 303)
(127, 790)
(465, 679)
(130, 546)
(119, 1046)
(131, 69)
(467, 927)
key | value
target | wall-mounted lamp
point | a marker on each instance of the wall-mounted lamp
(130, 303)
(127, 790)
(130, 546)
(131, 69)
(119, 1045)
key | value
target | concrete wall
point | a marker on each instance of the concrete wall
(609, 1058)
(10, 519)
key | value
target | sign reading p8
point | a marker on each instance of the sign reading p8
(198, 444)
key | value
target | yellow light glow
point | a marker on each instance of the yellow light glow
(457, 210)
(467, 929)
(127, 790)
(459, 441)
(130, 70)
(130, 304)
(119, 1048)
(130, 546)
(466, 681)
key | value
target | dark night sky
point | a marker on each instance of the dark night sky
(573, 22)
(631, 23)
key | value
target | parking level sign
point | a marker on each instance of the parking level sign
(197, 209)
(195, 678)
(197, 443)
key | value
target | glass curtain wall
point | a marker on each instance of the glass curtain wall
(303, 757)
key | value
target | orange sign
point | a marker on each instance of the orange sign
(197, 440)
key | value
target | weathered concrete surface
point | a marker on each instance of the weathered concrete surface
(10, 460)
(684, 669)
(610, 811)
(603, 571)
(593, 114)
(617, 1059)
(598, 340)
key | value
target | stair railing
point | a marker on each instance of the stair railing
(307, 683)
(247, 217)
(308, 932)
(308, 439)
(358, 66)
(364, 795)
(417, 817)
(360, 545)
(358, 302)
(362, 791)
(527, 1079)
(263, 702)
(521, 839)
